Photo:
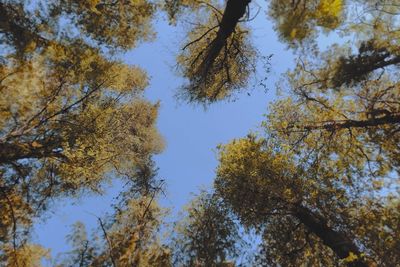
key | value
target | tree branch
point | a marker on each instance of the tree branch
(391, 118)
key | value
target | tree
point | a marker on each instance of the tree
(208, 235)
(130, 235)
(83, 252)
(319, 186)
(218, 58)
(348, 101)
(318, 183)
(308, 211)
(129, 238)
(70, 114)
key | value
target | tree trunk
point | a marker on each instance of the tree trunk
(234, 10)
(336, 240)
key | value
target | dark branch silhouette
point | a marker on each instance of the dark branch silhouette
(234, 10)
(341, 245)
(356, 67)
(390, 118)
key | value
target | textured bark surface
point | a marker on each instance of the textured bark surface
(336, 240)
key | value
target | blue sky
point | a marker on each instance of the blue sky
(191, 132)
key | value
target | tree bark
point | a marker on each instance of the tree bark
(341, 245)
(234, 10)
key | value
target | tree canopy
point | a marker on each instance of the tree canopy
(319, 184)
(326, 169)
(71, 114)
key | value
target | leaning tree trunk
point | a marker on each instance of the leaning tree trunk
(341, 245)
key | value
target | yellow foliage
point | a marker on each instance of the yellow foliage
(29, 255)
(352, 257)
(293, 33)
(331, 8)
(298, 21)
(329, 12)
